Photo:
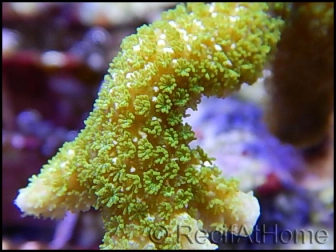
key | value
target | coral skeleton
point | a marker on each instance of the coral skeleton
(133, 161)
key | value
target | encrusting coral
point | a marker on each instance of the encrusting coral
(133, 161)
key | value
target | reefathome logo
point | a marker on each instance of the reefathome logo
(262, 234)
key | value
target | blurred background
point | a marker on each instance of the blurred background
(54, 57)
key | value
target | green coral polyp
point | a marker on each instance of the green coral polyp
(171, 137)
(153, 181)
(133, 160)
(145, 149)
(142, 105)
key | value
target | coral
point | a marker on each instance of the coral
(279, 216)
(302, 85)
(133, 161)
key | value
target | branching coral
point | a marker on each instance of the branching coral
(133, 160)
(302, 85)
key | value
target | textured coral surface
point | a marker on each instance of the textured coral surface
(133, 161)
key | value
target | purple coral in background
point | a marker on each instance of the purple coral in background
(233, 131)
(289, 210)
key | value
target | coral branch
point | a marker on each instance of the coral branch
(302, 85)
(133, 161)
